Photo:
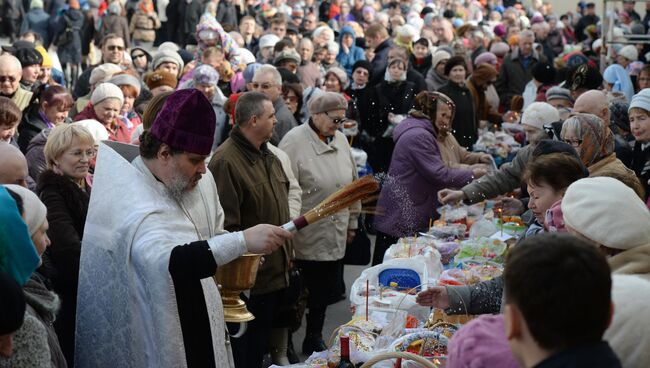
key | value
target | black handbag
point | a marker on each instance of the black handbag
(357, 253)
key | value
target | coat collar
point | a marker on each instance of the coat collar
(251, 153)
(318, 145)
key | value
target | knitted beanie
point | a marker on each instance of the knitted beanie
(538, 114)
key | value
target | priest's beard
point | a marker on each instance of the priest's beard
(177, 187)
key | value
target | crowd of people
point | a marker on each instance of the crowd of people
(244, 115)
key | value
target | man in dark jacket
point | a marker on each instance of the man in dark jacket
(517, 67)
(227, 13)
(568, 330)
(112, 52)
(588, 19)
(378, 39)
(253, 189)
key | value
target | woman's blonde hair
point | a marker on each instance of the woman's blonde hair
(61, 139)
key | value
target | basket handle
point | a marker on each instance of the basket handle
(398, 354)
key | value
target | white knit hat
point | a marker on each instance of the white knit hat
(629, 52)
(104, 91)
(167, 56)
(608, 212)
(268, 40)
(34, 210)
(103, 72)
(538, 114)
(641, 100)
(96, 129)
(439, 56)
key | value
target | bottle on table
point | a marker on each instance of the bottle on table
(345, 353)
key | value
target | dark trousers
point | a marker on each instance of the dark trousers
(249, 350)
(382, 243)
(322, 280)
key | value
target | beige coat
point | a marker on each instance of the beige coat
(454, 155)
(21, 98)
(321, 169)
(614, 168)
(143, 26)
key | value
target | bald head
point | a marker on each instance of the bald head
(593, 102)
(10, 71)
(13, 166)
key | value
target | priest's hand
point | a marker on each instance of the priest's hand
(264, 238)
(436, 297)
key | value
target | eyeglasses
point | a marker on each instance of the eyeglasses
(337, 120)
(262, 85)
(81, 153)
(10, 79)
(138, 56)
(115, 47)
(573, 142)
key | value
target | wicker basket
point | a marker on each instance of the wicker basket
(398, 354)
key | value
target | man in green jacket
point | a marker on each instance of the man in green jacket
(253, 189)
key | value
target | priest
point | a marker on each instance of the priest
(153, 240)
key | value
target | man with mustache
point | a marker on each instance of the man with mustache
(154, 238)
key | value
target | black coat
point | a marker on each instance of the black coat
(31, 124)
(189, 15)
(70, 52)
(397, 98)
(641, 166)
(67, 207)
(464, 123)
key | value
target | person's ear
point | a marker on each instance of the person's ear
(612, 309)
(513, 322)
(164, 152)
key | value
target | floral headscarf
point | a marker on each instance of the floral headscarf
(208, 24)
(597, 139)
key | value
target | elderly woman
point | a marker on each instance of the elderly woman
(51, 109)
(65, 190)
(464, 124)
(416, 173)
(478, 84)
(292, 95)
(616, 79)
(9, 120)
(105, 106)
(43, 304)
(436, 77)
(205, 78)
(612, 217)
(322, 162)
(130, 87)
(594, 142)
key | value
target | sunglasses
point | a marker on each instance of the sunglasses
(9, 79)
(138, 56)
(337, 120)
(115, 47)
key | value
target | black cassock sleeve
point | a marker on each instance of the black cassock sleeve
(188, 265)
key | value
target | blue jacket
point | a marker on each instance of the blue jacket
(355, 54)
(37, 20)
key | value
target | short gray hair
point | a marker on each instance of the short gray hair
(268, 69)
(249, 104)
(527, 34)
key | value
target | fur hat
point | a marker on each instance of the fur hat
(104, 91)
(291, 55)
(484, 73)
(544, 73)
(160, 78)
(608, 212)
(538, 114)
(28, 56)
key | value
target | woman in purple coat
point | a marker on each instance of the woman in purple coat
(409, 193)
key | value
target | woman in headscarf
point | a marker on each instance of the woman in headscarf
(478, 83)
(144, 24)
(205, 79)
(594, 142)
(36, 342)
(417, 173)
(618, 80)
(464, 125)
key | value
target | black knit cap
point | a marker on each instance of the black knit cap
(455, 61)
(544, 73)
(28, 56)
(12, 307)
(548, 146)
(363, 64)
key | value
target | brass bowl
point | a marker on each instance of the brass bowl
(235, 277)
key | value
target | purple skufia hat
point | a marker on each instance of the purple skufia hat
(186, 122)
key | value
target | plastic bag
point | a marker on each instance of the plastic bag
(482, 228)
